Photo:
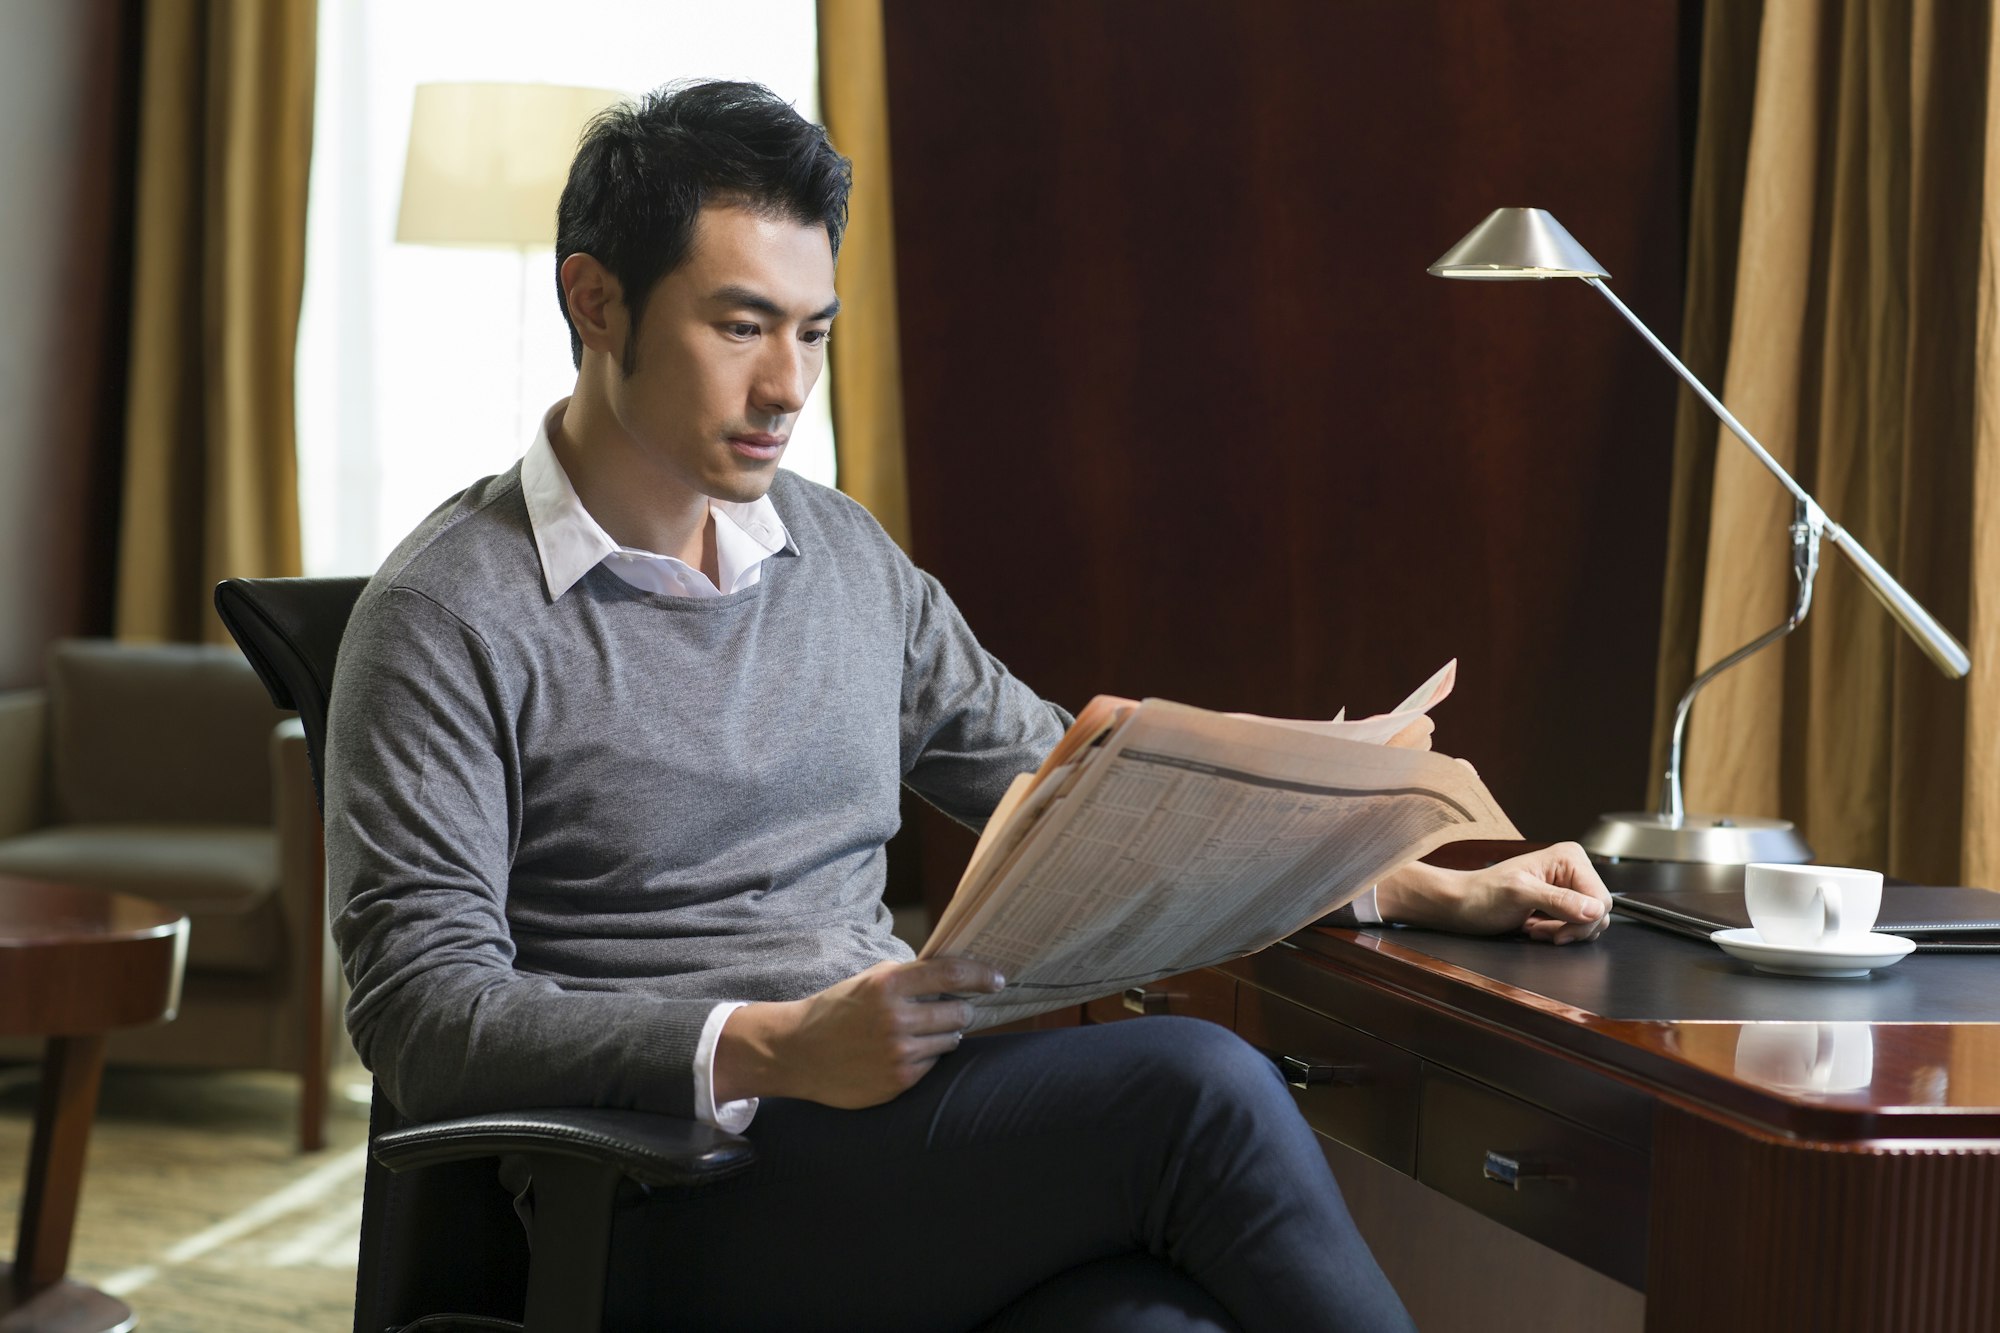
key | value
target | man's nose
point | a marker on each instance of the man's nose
(784, 378)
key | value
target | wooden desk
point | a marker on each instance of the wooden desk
(1662, 1113)
(74, 964)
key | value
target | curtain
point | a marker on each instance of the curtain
(225, 135)
(1860, 351)
(866, 361)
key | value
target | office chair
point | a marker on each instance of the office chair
(437, 1231)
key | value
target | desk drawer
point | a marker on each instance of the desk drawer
(1351, 1087)
(1546, 1177)
(1205, 994)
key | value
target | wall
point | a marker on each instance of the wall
(65, 143)
(1187, 417)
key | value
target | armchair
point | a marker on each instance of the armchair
(437, 1230)
(162, 771)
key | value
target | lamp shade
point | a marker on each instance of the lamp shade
(487, 161)
(1516, 243)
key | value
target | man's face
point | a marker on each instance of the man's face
(729, 346)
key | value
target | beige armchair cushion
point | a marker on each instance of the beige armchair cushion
(223, 877)
(157, 735)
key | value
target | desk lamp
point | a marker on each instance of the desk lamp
(1513, 244)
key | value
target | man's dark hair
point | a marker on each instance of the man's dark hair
(644, 170)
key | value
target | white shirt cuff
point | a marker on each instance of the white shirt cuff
(1365, 910)
(732, 1116)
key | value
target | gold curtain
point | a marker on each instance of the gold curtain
(1861, 353)
(866, 360)
(225, 138)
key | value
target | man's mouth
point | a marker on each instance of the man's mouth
(761, 447)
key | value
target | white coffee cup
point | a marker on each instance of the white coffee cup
(1808, 906)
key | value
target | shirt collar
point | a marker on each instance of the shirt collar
(571, 543)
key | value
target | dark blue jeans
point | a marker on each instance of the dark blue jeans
(1146, 1175)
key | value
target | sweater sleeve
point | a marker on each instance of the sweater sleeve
(423, 800)
(969, 725)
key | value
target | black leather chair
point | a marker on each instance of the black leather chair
(438, 1233)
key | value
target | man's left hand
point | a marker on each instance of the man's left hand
(1553, 895)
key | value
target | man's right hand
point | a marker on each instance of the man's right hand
(857, 1043)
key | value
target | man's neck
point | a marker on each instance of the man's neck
(631, 501)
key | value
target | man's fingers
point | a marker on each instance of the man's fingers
(933, 1016)
(1569, 906)
(1553, 930)
(1571, 865)
(948, 976)
(926, 1050)
(1416, 736)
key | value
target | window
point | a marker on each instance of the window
(408, 387)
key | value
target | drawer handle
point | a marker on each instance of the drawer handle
(1303, 1074)
(1142, 1001)
(1517, 1171)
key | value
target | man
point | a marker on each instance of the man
(616, 742)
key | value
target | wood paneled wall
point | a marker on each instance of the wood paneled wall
(1187, 417)
(66, 68)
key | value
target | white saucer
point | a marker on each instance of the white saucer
(1843, 958)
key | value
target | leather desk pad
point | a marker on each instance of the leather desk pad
(1633, 971)
(1696, 900)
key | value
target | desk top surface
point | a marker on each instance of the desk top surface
(1637, 971)
(1911, 1050)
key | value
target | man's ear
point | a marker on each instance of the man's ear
(596, 304)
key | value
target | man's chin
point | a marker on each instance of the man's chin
(746, 485)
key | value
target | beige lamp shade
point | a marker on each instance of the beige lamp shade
(487, 161)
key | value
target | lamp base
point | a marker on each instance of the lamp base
(1727, 840)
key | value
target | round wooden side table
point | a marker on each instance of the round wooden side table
(75, 963)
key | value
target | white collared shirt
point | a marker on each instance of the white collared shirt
(572, 543)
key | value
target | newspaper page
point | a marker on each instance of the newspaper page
(1170, 838)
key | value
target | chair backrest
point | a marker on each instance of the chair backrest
(290, 629)
(443, 1238)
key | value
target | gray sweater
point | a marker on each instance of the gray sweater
(559, 831)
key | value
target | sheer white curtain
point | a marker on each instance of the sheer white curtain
(408, 354)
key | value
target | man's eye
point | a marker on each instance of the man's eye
(742, 330)
(817, 337)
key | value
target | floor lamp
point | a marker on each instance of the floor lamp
(1526, 243)
(486, 165)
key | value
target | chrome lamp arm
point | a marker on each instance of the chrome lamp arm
(1936, 641)
(1807, 525)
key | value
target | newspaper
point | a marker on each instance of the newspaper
(1160, 838)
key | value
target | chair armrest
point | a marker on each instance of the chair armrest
(24, 761)
(652, 1149)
